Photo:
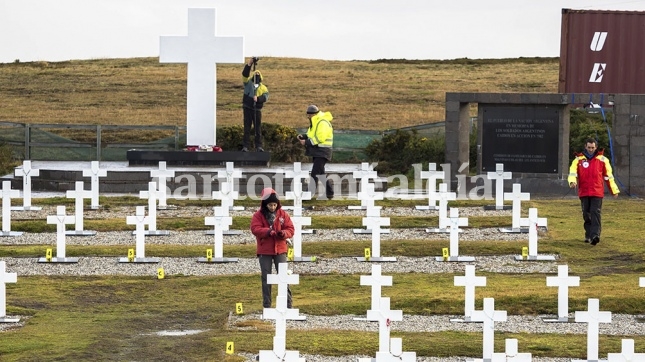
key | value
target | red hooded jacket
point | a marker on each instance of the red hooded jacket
(267, 244)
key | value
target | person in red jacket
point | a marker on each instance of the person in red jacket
(589, 171)
(272, 227)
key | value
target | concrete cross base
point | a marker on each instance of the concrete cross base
(11, 233)
(167, 207)
(270, 356)
(140, 260)
(354, 207)
(80, 232)
(26, 208)
(494, 207)
(437, 230)
(95, 207)
(9, 320)
(479, 360)
(369, 231)
(455, 258)
(304, 259)
(217, 260)
(376, 258)
(535, 258)
(514, 230)
(308, 231)
(236, 208)
(154, 233)
(426, 207)
(587, 360)
(558, 320)
(58, 260)
(225, 232)
(463, 320)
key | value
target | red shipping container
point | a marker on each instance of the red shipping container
(602, 51)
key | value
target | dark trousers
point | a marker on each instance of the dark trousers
(253, 118)
(591, 215)
(318, 169)
(265, 267)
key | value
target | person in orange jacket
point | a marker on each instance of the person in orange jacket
(589, 171)
(272, 227)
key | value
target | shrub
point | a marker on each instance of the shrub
(280, 140)
(7, 159)
(396, 152)
(585, 125)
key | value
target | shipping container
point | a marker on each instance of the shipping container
(602, 51)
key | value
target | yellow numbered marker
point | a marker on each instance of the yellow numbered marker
(290, 254)
(445, 253)
(160, 273)
(368, 253)
(209, 254)
(313, 258)
(238, 308)
(48, 254)
(230, 348)
(525, 252)
(130, 255)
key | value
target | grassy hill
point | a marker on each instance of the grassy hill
(374, 95)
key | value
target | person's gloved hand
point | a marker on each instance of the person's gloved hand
(281, 234)
(272, 232)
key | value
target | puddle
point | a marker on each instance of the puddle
(179, 333)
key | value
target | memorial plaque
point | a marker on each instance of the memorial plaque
(523, 138)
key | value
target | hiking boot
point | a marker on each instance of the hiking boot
(595, 240)
(259, 149)
(245, 149)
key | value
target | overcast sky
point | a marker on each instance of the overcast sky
(59, 30)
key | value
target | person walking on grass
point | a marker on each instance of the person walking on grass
(271, 227)
(589, 171)
(255, 95)
(318, 142)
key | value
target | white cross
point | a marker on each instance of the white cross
(151, 195)
(641, 282)
(563, 281)
(444, 197)
(489, 316)
(27, 173)
(220, 222)
(454, 222)
(60, 219)
(162, 174)
(4, 279)
(376, 281)
(226, 195)
(517, 196)
(94, 172)
(363, 176)
(593, 317)
(79, 194)
(297, 195)
(499, 176)
(626, 354)
(140, 220)
(230, 174)
(281, 313)
(368, 196)
(511, 353)
(373, 222)
(384, 316)
(7, 195)
(432, 175)
(298, 223)
(470, 281)
(533, 222)
(202, 51)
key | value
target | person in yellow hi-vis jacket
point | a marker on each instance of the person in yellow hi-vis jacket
(318, 142)
(589, 171)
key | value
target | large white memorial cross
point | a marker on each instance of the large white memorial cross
(220, 222)
(161, 175)
(533, 222)
(94, 172)
(202, 50)
(152, 195)
(281, 314)
(376, 281)
(593, 317)
(431, 176)
(499, 176)
(4, 279)
(363, 176)
(563, 281)
(517, 196)
(60, 219)
(470, 281)
(297, 195)
(626, 354)
(488, 316)
(454, 222)
(444, 197)
(511, 353)
(79, 194)
(7, 194)
(26, 172)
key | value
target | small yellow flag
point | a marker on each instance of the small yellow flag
(230, 348)
(130, 255)
(239, 309)
(48, 254)
(209, 254)
(368, 254)
(160, 273)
